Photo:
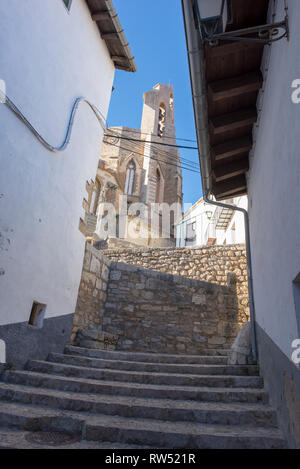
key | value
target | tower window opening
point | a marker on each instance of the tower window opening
(172, 102)
(161, 120)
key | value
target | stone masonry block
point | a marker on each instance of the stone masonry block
(95, 266)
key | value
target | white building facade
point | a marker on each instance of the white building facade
(52, 54)
(249, 143)
(204, 224)
(274, 211)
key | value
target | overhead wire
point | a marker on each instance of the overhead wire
(155, 159)
(187, 164)
(157, 143)
(166, 156)
(162, 152)
(145, 133)
(60, 148)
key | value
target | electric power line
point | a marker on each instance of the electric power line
(62, 147)
(133, 147)
(163, 152)
(155, 159)
(145, 133)
(157, 143)
(175, 160)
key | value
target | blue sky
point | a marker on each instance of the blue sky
(155, 31)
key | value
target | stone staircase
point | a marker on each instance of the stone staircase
(113, 399)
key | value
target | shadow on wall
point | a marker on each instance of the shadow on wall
(158, 312)
(92, 291)
(129, 307)
(209, 264)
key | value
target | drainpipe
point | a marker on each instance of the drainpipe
(249, 268)
(196, 59)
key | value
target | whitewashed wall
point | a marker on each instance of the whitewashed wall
(235, 232)
(49, 57)
(203, 215)
(274, 190)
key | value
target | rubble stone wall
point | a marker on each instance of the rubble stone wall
(92, 291)
(159, 312)
(209, 264)
(172, 300)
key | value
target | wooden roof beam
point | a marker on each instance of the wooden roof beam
(224, 89)
(231, 48)
(233, 195)
(119, 59)
(230, 170)
(110, 36)
(231, 148)
(230, 187)
(233, 121)
(101, 15)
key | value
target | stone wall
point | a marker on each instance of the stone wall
(179, 300)
(159, 312)
(209, 264)
(92, 291)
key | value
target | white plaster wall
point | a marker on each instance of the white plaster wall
(199, 215)
(196, 214)
(274, 191)
(236, 236)
(49, 56)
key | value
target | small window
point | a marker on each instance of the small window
(2, 351)
(37, 314)
(67, 3)
(296, 293)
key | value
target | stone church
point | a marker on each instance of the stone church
(138, 166)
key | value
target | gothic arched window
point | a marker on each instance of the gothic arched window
(130, 177)
(158, 186)
(95, 198)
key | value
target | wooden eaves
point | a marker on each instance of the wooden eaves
(110, 29)
(233, 79)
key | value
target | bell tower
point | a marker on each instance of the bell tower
(158, 111)
(163, 179)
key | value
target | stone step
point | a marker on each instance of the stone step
(17, 439)
(79, 385)
(184, 434)
(160, 409)
(218, 351)
(144, 377)
(154, 433)
(34, 418)
(77, 360)
(152, 357)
